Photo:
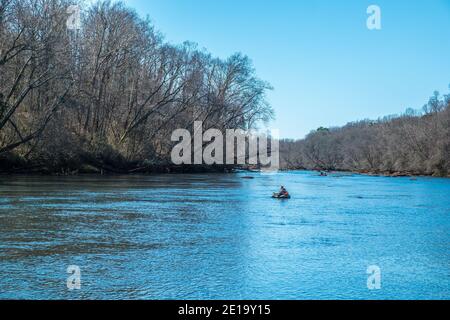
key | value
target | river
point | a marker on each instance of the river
(219, 236)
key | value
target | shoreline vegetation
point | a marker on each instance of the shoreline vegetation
(106, 98)
(202, 170)
(416, 143)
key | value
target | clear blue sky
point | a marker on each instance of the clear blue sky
(326, 67)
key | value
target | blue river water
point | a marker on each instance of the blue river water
(223, 237)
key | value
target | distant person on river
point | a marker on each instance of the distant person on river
(283, 192)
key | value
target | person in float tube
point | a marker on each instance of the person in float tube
(284, 192)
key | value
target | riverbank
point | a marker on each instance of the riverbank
(15, 165)
(193, 169)
(400, 174)
(391, 174)
(96, 171)
(89, 165)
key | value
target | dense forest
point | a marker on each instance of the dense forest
(107, 96)
(414, 143)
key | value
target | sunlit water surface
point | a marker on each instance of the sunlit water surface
(223, 237)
